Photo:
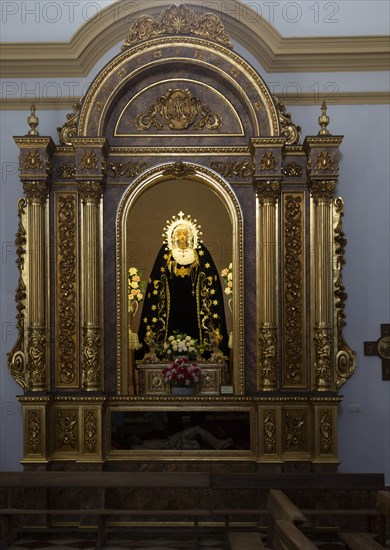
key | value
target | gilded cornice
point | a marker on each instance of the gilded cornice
(276, 53)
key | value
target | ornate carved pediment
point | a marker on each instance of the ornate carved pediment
(178, 20)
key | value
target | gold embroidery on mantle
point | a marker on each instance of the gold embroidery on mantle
(178, 20)
(178, 109)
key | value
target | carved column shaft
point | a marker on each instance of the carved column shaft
(37, 250)
(92, 369)
(267, 300)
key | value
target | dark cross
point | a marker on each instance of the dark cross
(381, 348)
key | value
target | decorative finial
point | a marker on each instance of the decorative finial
(323, 120)
(33, 122)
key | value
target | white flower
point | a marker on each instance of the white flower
(228, 290)
(230, 276)
(133, 271)
(140, 296)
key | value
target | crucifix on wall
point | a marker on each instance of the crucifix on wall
(381, 348)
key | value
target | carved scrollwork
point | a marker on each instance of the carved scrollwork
(66, 171)
(17, 357)
(179, 170)
(178, 20)
(178, 109)
(326, 432)
(293, 170)
(325, 162)
(90, 431)
(66, 426)
(69, 129)
(66, 300)
(288, 129)
(345, 357)
(33, 161)
(34, 431)
(125, 170)
(268, 162)
(295, 429)
(88, 161)
(244, 169)
(269, 430)
(293, 281)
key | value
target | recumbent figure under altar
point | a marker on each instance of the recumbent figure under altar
(183, 314)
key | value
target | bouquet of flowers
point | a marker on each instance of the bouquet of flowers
(181, 344)
(134, 286)
(181, 373)
(227, 275)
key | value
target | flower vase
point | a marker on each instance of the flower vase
(183, 390)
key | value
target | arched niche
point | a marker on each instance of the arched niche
(149, 201)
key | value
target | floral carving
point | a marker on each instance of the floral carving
(90, 431)
(295, 425)
(66, 274)
(88, 161)
(268, 162)
(34, 431)
(178, 20)
(293, 283)
(242, 169)
(33, 161)
(326, 432)
(66, 426)
(269, 428)
(178, 109)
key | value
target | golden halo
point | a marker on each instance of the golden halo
(181, 221)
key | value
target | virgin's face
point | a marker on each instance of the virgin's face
(182, 237)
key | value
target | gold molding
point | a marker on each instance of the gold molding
(275, 52)
(304, 98)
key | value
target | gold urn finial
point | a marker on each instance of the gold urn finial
(33, 122)
(323, 120)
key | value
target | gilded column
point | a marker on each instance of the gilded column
(267, 155)
(90, 174)
(35, 173)
(322, 153)
(268, 194)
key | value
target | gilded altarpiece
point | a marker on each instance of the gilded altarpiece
(177, 121)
